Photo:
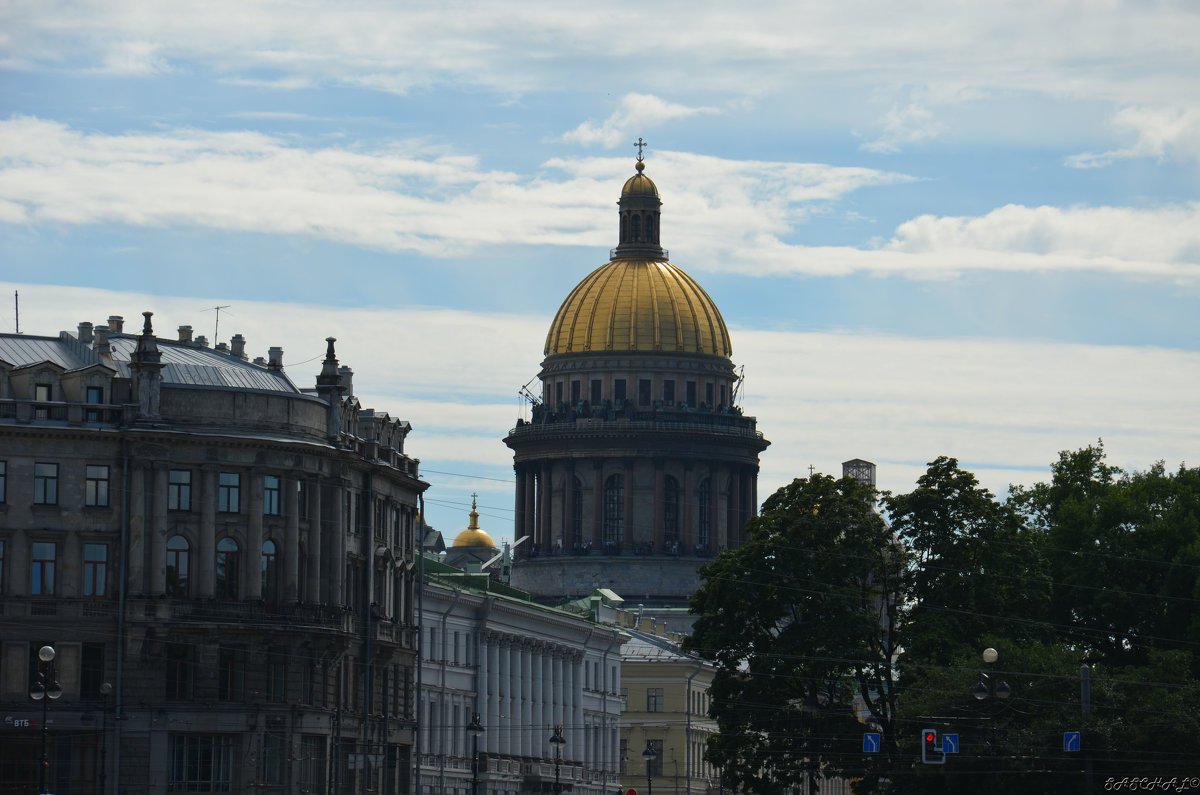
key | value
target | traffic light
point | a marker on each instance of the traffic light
(931, 750)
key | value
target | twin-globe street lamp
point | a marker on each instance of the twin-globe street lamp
(649, 755)
(45, 689)
(988, 687)
(558, 741)
(475, 728)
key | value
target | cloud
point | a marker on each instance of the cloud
(636, 112)
(904, 125)
(1161, 133)
(1004, 408)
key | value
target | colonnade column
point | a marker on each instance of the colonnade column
(316, 583)
(657, 535)
(627, 508)
(531, 503)
(254, 537)
(158, 532)
(337, 546)
(526, 701)
(519, 521)
(545, 490)
(598, 503)
(137, 530)
(492, 735)
(569, 536)
(687, 536)
(208, 534)
(291, 540)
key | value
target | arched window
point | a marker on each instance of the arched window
(670, 512)
(624, 229)
(177, 567)
(637, 229)
(270, 572)
(614, 509)
(703, 515)
(650, 229)
(227, 569)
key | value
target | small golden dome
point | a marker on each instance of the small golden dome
(473, 536)
(639, 184)
(638, 305)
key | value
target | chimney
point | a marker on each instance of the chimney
(275, 358)
(185, 334)
(100, 341)
(202, 341)
(85, 333)
(260, 361)
(238, 346)
(346, 376)
(116, 323)
(222, 347)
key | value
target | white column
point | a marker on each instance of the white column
(493, 696)
(526, 673)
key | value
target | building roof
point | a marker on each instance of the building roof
(184, 364)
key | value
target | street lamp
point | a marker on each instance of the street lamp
(105, 690)
(998, 692)
(649, 755)
(558, 741)
(45, 689)
(475, 728)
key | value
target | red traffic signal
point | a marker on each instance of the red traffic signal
(931, 750)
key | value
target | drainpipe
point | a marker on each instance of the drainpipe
(445, 616)
(687, 777)
(369, 586)
(420, 643)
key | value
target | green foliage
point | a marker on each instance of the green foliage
(799, 620)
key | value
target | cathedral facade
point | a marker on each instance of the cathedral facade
(637, 463)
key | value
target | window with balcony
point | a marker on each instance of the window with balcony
(94, 395)
(270, 572)
(42, 568)
(177, 567)
(200, 763)
(95, 569)
(227, 568)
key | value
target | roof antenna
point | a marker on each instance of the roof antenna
(217, 324)
(17, 308)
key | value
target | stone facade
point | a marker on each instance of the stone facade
(223, 562)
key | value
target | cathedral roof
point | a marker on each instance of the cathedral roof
(639, 302)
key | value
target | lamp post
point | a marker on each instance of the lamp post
(558, 741)
(45, 689)
(996, 692)
(649, 755)
(475, 728)
(105, 690)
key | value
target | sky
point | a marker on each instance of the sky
(932, 227)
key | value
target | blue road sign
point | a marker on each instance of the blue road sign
(1070, 741)
(949, 743)
(871, 742)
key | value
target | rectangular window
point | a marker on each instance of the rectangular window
(179, 490)
(200, 763)
(643, 391)
(232, 672)
(1, 565)
(596, 391)
(229, 491)
(691, 395)
(654, 768)
(95, 493)
(558, 396)
(576, 392)
(94, 396)
(669, 392)
(3, 481)
(91, 670)
(270, 495)
(181, 666)
(618, 391)
(708, 394)
(45, 484)
(95, 569)
(41, 576)
(272, 759)
(654, 699)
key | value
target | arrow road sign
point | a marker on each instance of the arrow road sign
(871, 742)
(1070, 741)
(949, 743)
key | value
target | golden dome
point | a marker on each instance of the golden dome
(638, 305)
(473, 536)
(639, 184)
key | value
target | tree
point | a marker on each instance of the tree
(801, 622)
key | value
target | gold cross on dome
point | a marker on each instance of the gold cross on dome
(640, 144)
